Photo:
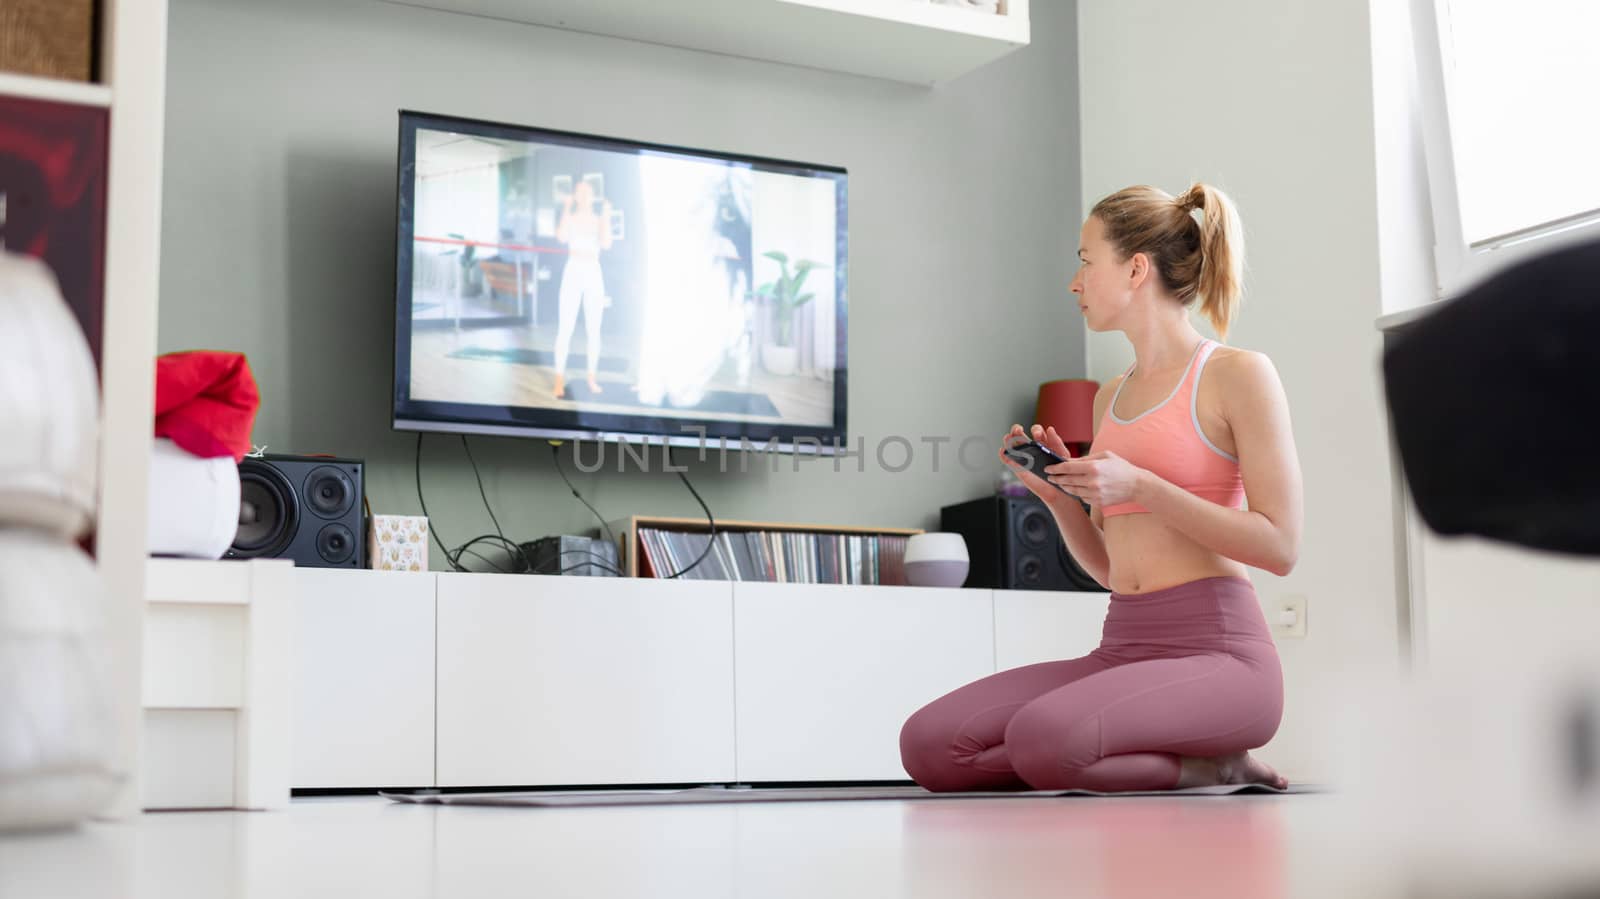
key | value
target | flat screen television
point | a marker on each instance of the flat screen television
(574, 286)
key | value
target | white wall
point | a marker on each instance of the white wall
(1272, 100)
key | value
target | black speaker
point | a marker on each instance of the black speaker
(1014, 545)
(305, 508)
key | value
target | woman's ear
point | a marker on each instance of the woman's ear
(1138, 270)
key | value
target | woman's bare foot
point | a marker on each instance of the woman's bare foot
(594, 386)
(1239, 768)
(1245, 768)
(559, 388)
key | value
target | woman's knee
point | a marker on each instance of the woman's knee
(929, 754)
(925, 746)
(1048, 750)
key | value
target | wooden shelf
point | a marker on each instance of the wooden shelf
(57, 89)
(130, 45)
(626, 530)
(911, 41)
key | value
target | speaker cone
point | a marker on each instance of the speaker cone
(267, 511)
(1030, 570)
(329, 492)
(1035, 527)
(336, 544)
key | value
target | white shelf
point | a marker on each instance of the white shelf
(912, 41)
(1012, 27)
(218, 655)
(182, 581)
(132, 48)
(62, 91)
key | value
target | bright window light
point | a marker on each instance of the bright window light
(1524, 87)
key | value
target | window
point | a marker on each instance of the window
(1510, 97)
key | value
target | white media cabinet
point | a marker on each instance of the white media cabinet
(489, 680)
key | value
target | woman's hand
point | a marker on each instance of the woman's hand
(1100, 479)
(1036, 481)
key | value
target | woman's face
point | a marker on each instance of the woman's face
(1101, 283)
(583, 196)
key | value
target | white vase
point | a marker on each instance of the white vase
(937, 559)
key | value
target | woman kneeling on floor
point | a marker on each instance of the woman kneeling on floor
(1186, 679)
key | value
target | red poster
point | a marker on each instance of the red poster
(53, 197)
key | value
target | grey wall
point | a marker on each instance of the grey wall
(278, 240)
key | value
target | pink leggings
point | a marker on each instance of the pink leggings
(1186, 671)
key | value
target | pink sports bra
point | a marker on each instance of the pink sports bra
(1167, 441)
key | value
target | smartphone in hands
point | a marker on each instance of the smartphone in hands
(1033, 456)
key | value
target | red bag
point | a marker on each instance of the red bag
(206, 402)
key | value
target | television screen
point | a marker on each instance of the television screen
(565, 285)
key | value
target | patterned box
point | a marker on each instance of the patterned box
(399, 543)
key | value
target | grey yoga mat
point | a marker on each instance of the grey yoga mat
(550, 798)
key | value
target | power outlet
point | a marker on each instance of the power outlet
(1288, 616)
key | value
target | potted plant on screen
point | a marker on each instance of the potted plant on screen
(784, 297)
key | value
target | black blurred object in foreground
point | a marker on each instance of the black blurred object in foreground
(1493, 403)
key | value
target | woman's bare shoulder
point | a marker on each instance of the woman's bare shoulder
(1240, 367)
(1246, 381)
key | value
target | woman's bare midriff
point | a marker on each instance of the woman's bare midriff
(1147, 555)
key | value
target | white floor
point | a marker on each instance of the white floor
(1194, 848)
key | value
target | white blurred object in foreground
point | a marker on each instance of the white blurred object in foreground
(1481, 775)
(56, 761)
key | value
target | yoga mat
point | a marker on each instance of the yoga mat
(553, 798)
(520, 356)
(724, 402)
(727, 402)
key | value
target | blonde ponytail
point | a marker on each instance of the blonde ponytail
(1197, 260)
(1221, 281)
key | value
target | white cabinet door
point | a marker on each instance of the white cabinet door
(363, 681)
(1044, 625)
(547, 680)
(827, 674)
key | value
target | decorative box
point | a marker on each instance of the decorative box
(399, 543)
